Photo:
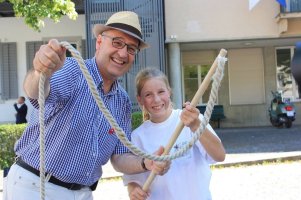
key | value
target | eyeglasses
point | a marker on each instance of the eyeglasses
(119, 44)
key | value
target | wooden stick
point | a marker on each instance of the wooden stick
(180, 126)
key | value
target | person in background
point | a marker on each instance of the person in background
(78, 138)
(189, 176)
(21, 109)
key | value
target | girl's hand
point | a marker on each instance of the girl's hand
(136, 193)
(159, 167)
(190, 117)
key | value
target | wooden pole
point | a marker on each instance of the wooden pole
(180, 126)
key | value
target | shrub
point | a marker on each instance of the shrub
(136, 119)
(9, 134)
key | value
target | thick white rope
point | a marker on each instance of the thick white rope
(42, 134)
(218, 75)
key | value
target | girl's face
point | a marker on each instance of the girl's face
(155, 97)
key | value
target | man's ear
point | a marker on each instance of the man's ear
(98, 42)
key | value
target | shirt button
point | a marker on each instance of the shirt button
(94, 154)
(88, 174)
(111, 131)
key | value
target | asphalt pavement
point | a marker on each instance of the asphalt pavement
(252, 145)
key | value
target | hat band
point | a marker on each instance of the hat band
(126, 27)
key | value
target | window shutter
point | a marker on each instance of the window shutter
(246, 76)
(9, 74)
(84, 49)
(31, 49)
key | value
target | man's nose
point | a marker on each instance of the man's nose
(123, 52)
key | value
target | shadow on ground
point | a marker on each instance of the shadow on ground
(261, 139)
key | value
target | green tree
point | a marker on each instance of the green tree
(35, 11)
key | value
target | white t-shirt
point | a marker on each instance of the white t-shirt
(188, 177)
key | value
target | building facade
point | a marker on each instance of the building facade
(260, 44)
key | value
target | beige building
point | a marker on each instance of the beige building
(260, 44)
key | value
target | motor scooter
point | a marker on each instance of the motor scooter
(281, 111)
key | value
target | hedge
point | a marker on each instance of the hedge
(10, 133)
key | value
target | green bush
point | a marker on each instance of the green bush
(136, 119)
(9, 134)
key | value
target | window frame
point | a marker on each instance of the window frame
(295, 93)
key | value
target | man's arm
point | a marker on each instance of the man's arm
(31, 84)
(16, 107)
(129, 163)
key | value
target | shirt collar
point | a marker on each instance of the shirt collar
(98, 80)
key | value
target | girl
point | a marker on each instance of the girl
(189, 175)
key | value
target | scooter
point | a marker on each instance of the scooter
(281, 111)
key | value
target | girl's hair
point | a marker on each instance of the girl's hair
(144, 75)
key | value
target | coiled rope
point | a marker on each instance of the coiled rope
(119, 132)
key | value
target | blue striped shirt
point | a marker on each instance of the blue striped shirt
(78, 138)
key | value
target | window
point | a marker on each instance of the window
(31, 49)
(285, 81)
(77, 42)
(8, 71)
(193, 77)
(196, 65)
(292, 6)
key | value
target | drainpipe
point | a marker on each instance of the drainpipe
(175, 78)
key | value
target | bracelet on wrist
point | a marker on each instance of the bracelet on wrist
(143, 164)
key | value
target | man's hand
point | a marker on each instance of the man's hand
(159, 167)
(49, 58)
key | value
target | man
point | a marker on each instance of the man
(79, 140)
(21, 109)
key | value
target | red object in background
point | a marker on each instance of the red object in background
(288, 108)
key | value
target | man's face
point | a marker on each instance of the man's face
(113, 62)
(20, 100)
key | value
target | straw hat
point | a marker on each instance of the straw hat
(125, 21)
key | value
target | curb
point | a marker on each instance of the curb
(259, 161)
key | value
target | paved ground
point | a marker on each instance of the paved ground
(252, 144)
(243, 146)
(255, 182)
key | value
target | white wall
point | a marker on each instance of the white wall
(203, 20)
(14, 30)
